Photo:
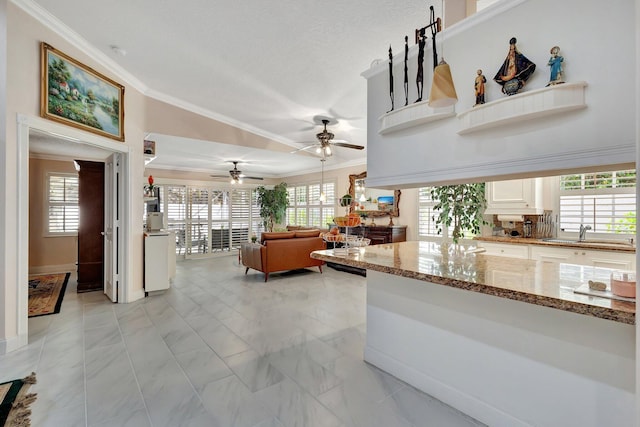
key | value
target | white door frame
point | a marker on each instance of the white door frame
(112, 226)
(26, 123)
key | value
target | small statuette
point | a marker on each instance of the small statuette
(555, 62)
(515, 70)
(479, 87)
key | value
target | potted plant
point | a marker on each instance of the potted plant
(273, 204)
(461, 206)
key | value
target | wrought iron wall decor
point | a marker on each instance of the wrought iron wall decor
(391, 77)
(406, 71)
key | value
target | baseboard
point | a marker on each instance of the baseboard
(135, 295)
(46, 269)
(461, 401)
(13, 343)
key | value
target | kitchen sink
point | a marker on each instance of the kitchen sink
(552, 240)
(598, 242)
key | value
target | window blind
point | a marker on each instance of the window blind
(63, 211)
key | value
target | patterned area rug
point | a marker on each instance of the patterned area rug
(46, 292)
(15, 402)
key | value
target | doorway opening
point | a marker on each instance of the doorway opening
(46, 141)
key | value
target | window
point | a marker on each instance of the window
(63, 213)
(426, 214)
(606, 201)
(305, 208)
(209, 220)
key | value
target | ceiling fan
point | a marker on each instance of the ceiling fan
(236, 175)
(325, 138)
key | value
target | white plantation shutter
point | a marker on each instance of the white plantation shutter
(174, 206)
(62, 204)
(197, 219)
(305, 208)
(604, 200)
(240, 216)
(426, 214)
(210, 220)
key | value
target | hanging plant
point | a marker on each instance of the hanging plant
(273, 204)
(461, 206)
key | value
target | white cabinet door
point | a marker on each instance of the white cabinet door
(505, 249)
(609, 259)
(553, 254)
(605, 259)
(516, 196)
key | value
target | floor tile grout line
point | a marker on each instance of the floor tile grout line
(135, 376)
(84, 367)
(195, 391)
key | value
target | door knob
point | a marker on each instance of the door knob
(102, 232)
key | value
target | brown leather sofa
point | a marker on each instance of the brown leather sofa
(280, 251)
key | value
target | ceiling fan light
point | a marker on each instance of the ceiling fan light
(240, 181)
(328, 151)
(318, 150)
(233, 181)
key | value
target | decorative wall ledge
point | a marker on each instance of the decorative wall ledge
(412, 115)
(524, 106)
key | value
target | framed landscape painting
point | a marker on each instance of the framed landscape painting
(76, 95)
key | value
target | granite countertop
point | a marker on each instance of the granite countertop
(601, 245)
(462, 266)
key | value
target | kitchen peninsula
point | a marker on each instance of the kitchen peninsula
(504, 340)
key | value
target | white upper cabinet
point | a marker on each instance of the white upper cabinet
(516, 196)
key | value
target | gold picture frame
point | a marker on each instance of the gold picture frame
(77, 95)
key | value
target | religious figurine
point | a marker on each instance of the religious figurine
(391, 78)
(406, 71)
(515, 70)
(555, 62)
(479, 87)
(421, 38)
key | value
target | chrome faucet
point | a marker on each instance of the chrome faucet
(583, 232)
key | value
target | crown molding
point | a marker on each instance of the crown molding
(187, 106)
(50, 21)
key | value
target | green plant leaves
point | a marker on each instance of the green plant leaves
(461, 206)
(273, 204)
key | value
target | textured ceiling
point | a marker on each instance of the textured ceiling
(270, 66)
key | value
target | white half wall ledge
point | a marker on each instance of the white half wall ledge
(524, 106)
(412, 115)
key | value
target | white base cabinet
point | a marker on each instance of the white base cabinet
(156, 261)
(505, 249)
(606, 259)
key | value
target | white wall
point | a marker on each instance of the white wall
(605, 130)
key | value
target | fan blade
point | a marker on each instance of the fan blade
(342, 144)
(253, 177)
(219, 176)
(303, 148)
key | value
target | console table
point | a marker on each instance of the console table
(380, 234)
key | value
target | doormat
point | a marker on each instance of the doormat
(46, 292)
(15, 402)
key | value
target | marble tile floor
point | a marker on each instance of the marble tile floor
(218, 349)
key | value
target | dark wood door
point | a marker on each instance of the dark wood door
(90, 238)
